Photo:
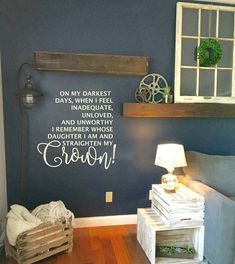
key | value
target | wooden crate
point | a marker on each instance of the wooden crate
(41, 242)
(179, 238)
(183, 205)
(151, 231)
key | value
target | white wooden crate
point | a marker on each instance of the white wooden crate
(183, 205)
(149, 226)
(41, 242)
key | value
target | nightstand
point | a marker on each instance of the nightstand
(172, 231)
(182, 206)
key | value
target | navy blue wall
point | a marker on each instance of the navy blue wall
(126, 27)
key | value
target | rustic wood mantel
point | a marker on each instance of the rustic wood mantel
(202, 110)
(95, 63)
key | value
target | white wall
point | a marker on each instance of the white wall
(3, 192)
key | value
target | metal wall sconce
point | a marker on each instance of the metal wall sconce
(28, 95)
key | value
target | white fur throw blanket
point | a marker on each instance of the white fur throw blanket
(52, 212)
(19, 219)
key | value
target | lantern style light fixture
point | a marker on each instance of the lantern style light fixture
(28, 95)
(170, 156)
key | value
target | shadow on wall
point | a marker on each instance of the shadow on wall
(141, 134)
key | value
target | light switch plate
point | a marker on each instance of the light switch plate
(150, 195)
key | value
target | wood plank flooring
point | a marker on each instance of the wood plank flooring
(100, 245)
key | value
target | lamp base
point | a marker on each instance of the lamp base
(169, 182)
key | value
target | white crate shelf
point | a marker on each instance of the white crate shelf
(183, 205)
(151, 229)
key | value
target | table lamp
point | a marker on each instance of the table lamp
(170, 156)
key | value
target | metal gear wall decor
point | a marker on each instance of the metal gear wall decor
(151, 89)
(142, 94)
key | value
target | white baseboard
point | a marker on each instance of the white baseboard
(105, 220)
(230, 2)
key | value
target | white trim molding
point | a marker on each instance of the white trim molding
(109, 220)
(3, 188)
(230, 2)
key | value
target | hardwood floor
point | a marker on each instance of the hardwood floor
(100, 245)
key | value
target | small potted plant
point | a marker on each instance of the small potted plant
(167, 96)
(175, 252)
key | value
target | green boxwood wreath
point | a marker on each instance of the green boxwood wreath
(209, 52)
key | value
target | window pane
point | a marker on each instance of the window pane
(227, 57)
(208, 23)
(226, 24)
(188, 52)
(224, 83)
(188, 82)
(190, 22)
(206, 82)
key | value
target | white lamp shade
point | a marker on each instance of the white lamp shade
(170, 156)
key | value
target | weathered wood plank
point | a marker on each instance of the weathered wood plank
(45, 240)
(47, 254)
(53, 229)
(43, 248)
(96, 63)
(31, 243)
(179, 110)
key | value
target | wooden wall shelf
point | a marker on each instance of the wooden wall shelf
(96, 63)
(202, 110)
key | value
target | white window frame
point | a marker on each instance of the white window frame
(178, 50)
(3, 188)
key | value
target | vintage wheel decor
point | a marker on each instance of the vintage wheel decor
(142, 95)
(151, 88)
(209, 52)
